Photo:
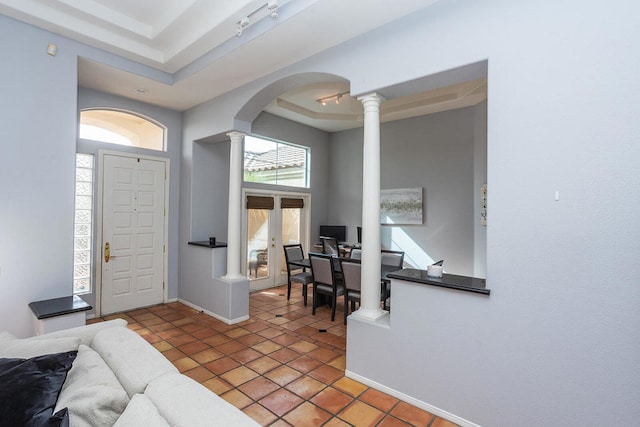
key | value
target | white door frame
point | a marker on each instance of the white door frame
(305, 233)
(99, 246)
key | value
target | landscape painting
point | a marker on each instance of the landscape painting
(401, 206)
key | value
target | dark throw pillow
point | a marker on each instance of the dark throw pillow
(29, 389)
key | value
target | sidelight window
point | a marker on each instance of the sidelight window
(82, 226)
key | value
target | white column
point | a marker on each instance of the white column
(234, 222)
(370, 299)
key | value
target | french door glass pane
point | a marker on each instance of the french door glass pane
(258, 243)
(290, 230)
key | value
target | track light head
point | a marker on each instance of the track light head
(244, 22)
(272, 5)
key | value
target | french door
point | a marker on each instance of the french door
(272, 220)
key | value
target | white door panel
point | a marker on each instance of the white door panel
(133, 225)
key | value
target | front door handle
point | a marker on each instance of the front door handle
(107, 252)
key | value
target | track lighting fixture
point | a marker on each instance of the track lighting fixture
(331, 99)
(244, 22)
(271, 7)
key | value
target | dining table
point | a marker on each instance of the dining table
(385, 270)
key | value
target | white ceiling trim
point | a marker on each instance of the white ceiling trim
(193, 42)
(95, 10)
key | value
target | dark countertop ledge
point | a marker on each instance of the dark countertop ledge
(205, 244)
(451, 281)
(58, 307)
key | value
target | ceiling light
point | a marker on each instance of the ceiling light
(272, 5)
(333, 98)
(244, 22)
(271, 8)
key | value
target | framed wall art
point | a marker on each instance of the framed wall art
(401, 206)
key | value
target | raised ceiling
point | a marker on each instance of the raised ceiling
(302, 106)
(194, 48)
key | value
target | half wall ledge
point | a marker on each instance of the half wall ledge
(451, 281)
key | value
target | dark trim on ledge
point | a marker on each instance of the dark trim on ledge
(205, 244)
(58, 307)
(451, 281)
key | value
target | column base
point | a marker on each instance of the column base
(368, 315)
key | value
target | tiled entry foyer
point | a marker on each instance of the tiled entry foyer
(280, 367)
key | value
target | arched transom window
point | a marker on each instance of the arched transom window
(122, 128)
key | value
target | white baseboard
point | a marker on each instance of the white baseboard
(413, 401)
(212, 314)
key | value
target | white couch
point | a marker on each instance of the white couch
(118, 378)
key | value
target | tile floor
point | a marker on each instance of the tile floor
(283, 367)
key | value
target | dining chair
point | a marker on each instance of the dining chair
(352, 276)
(330, 246)
(325, 280)
(295, 253)
(356, 254)
(392, 259)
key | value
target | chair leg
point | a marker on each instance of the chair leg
(346, 307)
(333, 307)
(313, 303)
(288, 290)
(304, 293)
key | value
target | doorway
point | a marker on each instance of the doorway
(271, 220)
(133, 226)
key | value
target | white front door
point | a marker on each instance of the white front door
(133, 232)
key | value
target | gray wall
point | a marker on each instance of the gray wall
(479, 179)
(437, 153)
(209, 182)
(38, 113)
(555, 343)
(210, 191)
(211, 175)
(38, 137)
(318, 141)
(346, 181)
(172, 120)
